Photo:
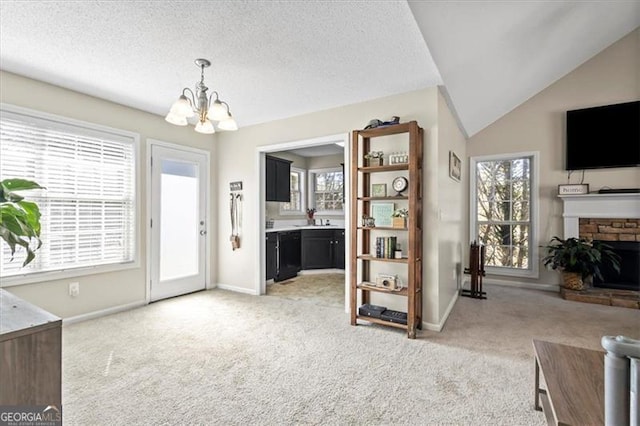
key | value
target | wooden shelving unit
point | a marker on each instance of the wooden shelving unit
(362, 281)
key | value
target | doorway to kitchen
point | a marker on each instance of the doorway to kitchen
(314, 216)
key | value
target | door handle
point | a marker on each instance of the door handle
(203, 232)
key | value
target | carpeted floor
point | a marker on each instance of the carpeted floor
(218, 357)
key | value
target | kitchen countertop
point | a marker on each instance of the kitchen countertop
(300, 227)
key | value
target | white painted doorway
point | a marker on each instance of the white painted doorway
(178, 220)
(260, 196)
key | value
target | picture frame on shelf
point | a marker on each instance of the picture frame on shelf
(378, 189)
(455, 166)
(382, 213)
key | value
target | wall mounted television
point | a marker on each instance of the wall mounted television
(604, 136)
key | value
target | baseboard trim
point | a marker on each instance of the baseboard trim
(244, 290)
(438, 327)
(519, 284)
(321, 271)
(102, 313)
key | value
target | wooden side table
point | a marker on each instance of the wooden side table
(574, 379)
(30, 353)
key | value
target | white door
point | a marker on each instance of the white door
(179, 193)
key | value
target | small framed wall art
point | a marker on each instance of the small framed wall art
(455, 166)
(378, 189)
(382, 213)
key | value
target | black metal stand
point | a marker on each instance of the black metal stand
(476, 270)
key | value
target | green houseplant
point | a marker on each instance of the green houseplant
(19, 219)
(579, 258)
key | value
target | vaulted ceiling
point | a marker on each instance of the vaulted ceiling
(277, 59)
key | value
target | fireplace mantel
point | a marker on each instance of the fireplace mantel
(624, 206)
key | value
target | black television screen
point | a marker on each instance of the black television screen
(604, 136)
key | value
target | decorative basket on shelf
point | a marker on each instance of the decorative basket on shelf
(399, 222)
(399, 218)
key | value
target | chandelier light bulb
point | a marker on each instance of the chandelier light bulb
(218, 111)
(208, 108)
(176, 119)
(205, 127)
(182, 107)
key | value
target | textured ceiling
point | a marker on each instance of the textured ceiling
(270, 60)
(278, 59)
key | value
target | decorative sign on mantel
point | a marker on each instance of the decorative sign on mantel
(573, 189)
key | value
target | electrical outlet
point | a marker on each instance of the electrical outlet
(74, 289)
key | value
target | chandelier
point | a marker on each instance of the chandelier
(205, 107)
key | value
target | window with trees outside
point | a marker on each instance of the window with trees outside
(296, 185)
(327, 190)
(504, 212)
(88, 206)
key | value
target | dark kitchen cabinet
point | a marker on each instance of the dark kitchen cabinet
(338, 249)
(322, 249)
(272, 254)
(278, 179)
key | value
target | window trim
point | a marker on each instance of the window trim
(303, 194)
(312, 191)
(45, 276)
(534, 268)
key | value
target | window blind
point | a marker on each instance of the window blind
(88, 206)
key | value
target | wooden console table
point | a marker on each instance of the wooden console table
(30, 353)
(574, 379)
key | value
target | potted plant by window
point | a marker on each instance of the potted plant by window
(374, 158)
(400, 218)
(19, 219)
(579, 258)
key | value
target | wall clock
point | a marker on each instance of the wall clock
(400, 184)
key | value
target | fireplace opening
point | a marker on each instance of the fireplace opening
(629, 277)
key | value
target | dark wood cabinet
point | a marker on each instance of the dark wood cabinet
(278, 179)
(338, 249)
(317, 248)
(30, 354)
(322, 249)
(272, 254)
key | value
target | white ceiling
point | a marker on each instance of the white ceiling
(278, 59)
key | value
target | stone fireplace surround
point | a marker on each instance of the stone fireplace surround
(606, 217)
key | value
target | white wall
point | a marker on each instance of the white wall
(107, 290)
(612, 76)
(452, 208)
(237, 154)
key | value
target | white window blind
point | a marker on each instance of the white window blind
(88, 206)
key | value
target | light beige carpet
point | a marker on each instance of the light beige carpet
(224, 358)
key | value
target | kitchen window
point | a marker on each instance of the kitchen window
(504, 206)
(327, 190)
(296, 187)
(89, 205)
